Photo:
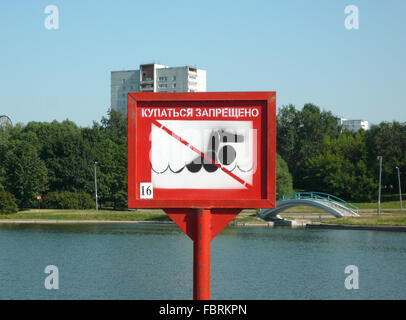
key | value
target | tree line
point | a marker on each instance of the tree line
(43, 158)
(57, 159)
(324, 157)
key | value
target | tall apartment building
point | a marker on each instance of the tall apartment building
(353, 125)
(154, 78)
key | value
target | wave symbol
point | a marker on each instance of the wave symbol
(194, 168)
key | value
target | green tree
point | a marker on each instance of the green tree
(68, 152)
(115, 168)
(300, 135)
(283, 177)
(340, 168)
(26, 174)
(111, 164)
(287, 133)
(388, 139)
(115, 125)
(5, 133)
(61, 149)
(7, 203)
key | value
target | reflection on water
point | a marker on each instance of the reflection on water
(144, 261)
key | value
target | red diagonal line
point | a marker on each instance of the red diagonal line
(187, 144)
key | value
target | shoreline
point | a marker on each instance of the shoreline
(76, 221)
(268, 224)
(319, 225)
(67, 221)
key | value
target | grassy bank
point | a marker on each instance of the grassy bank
(136, 215)
(397, 219)
(51, 214)
(374, 205)
(372, 220)
(391, 205)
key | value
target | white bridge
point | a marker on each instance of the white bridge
(329, 203)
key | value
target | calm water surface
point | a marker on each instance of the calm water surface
(142, 261)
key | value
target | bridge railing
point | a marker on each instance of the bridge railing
(319, 196)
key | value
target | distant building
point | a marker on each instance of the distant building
(154, 78)
(353, 125)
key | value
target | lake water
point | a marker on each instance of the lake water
(144, 261)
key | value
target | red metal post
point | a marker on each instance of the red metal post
(201, 255)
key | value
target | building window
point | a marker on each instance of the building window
(174, 85)
(174, 78)
(162, 78)
(163, 85)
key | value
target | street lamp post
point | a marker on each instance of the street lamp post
(95, 183)
(380, 178)
(400, 190)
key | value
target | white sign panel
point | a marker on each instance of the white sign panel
(205, 154)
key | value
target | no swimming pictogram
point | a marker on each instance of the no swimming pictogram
(223, 149)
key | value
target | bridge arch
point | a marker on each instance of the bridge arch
(326, 202)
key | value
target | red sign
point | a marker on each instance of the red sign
(201, 150)
(202, 157)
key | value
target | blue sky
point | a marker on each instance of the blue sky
(300, 49)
